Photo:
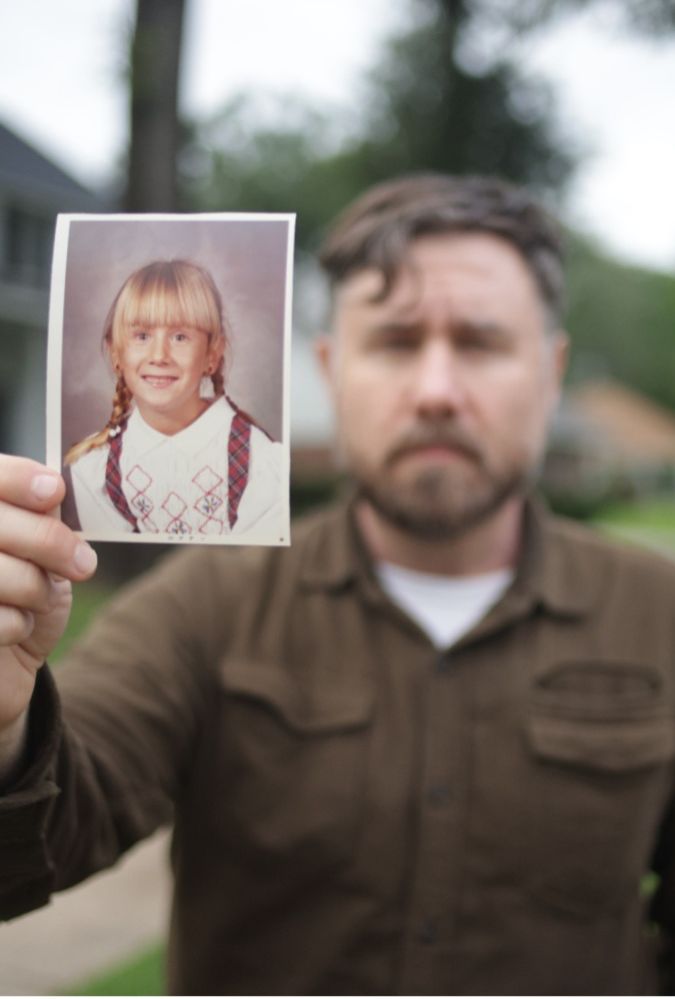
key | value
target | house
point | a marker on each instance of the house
(33, 190)
(609, 441)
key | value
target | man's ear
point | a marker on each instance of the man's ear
(559, 349)
(562, 352)
(324, 352)
(561, 355)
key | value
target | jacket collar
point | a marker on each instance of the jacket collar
(335, 555)
(549, 574)
(549, 571)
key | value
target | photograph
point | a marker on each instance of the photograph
(167, 394)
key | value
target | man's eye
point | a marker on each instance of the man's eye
(483, 339)
(396, 343)
(481, 343)
(475, 342)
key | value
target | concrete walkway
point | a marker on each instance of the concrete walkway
(90, 928)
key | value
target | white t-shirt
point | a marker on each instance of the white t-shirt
(178, 484)
(445, 607)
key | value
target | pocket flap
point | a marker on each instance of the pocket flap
(310, 707)
(603, 714)
(601, 689)
(615, 747)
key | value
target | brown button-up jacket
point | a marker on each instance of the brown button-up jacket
(356, 811)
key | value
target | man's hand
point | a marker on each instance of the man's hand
(39, 557)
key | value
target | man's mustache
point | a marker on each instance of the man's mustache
(437, 435)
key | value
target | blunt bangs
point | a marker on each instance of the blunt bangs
(168, 293)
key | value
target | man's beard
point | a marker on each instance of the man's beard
(440, 503)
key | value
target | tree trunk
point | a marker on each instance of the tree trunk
(154, 129)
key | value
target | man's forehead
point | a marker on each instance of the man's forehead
(479, 266)
(363, 287)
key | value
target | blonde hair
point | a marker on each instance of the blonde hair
(167, 293)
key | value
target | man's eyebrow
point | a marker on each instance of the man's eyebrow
(413, 326)
(486, 327)
(401, 327)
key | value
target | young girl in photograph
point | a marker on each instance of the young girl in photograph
(177, 456)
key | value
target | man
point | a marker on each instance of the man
(428, 749)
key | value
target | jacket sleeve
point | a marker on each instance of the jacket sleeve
(26, 874)
(662, 909)
(132, 695)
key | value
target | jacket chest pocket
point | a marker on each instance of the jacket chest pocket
(602, 738)
(295, 765)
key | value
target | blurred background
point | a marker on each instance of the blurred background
(216, 105)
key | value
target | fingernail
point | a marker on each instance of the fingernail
(85, 558)
(44, 486)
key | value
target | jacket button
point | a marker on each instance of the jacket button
(438, 795)
(427, 932)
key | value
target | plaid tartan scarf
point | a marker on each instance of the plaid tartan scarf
(113, 477)
(238, 455)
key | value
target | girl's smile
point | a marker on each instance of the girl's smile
(159, 382)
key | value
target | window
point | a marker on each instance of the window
(28, 245)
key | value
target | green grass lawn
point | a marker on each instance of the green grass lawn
(651, 522)
(87, 598)
(142, 975)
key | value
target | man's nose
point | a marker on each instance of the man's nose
(438, 386)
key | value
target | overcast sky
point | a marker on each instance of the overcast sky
(61, 87)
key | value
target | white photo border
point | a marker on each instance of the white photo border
(276, 534)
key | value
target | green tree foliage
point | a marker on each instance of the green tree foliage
(650, 18)
(434, 106)
(621, 322)
(425, 108)
(445, 96)
(235, 162)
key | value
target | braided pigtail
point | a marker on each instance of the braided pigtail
(121, 407)
(115, 425)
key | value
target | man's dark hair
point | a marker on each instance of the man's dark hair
(377, 228)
